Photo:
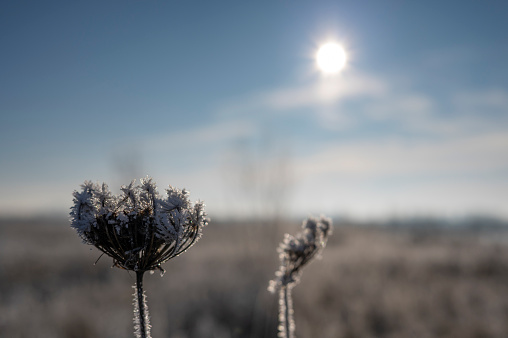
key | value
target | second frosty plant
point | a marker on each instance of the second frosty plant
(295, 252)
(139, 229)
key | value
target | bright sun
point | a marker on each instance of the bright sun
(331, 58)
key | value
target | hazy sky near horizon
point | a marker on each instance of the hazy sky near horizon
(224, 98)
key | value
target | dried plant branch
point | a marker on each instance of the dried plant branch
(295, 252)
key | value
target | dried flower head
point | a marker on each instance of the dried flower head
(139, 229)
(296, 251)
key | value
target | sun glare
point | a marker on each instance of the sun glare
(331, 58)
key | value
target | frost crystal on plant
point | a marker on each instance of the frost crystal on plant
(139, 229)
(296, 251)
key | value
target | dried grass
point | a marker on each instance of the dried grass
(370, 283)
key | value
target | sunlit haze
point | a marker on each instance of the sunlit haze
(226, 99)
(331, 58)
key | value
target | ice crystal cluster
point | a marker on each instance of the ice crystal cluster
(139, 229)
(296, 251)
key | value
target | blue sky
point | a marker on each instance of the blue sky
(224, 98)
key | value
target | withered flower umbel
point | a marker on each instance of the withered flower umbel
(139, 229)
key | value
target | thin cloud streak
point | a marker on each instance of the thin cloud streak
(479, 155)
(218, 132)
(324, 93)
(316, 94)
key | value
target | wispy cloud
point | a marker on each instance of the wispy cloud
(354, 100)
(345, 101)
(479, 155)
(204, 135)
(324, 93)
(318, 94)
(488, 101)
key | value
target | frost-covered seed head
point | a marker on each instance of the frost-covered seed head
(297, 251)
(138, 229)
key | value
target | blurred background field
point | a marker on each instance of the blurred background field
(397, 280)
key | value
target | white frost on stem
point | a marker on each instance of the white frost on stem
(141, 317)
(295, 252)
(286, 314)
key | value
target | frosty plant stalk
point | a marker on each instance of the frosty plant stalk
(294, 253)
(139, 229)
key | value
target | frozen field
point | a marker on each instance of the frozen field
(371, 282)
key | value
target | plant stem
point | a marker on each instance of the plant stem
(141, 319)
(286, 321)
